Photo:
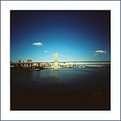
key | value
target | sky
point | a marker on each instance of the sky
(74, 35)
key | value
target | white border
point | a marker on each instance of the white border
(114, 114)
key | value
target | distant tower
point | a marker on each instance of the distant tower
(56, 61)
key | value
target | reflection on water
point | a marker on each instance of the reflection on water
(56, 74)
(69, 78)
(68, 85)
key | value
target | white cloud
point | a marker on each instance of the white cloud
(45, 51)
(37, 44)
(100, 52)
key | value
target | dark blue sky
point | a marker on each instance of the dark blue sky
(77, 35)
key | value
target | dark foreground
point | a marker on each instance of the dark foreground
(66, 89)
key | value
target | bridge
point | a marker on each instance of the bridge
(57, 64)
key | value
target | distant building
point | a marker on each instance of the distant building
(29, 60)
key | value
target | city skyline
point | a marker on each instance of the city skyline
(75, 35)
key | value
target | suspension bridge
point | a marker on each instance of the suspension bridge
(59, 61)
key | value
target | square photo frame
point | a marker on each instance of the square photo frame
(9, 23)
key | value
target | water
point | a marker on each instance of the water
(65, 89)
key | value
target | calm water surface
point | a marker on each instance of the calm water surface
(65, 89)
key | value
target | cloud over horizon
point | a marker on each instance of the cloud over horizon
(100, 52)
(38, 44)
